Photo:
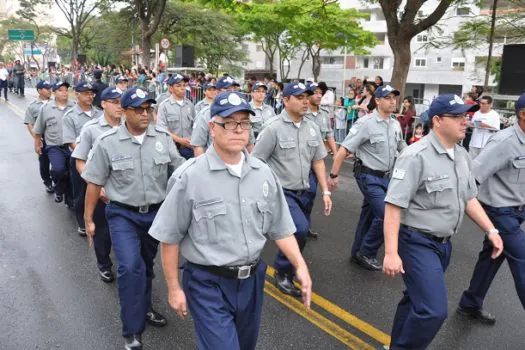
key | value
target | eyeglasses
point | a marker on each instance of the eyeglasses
(115, 102)
(140, 110)
(232, 125)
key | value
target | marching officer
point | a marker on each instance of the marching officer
(132, 163)
(432, 187)
(121, 82)
(292, 145)
(73, 122)
(218, 213)
(210, 91)
(45, 90)
(500, 170)
(376, 141)
(110, 101)
(48, 130)
(177, 114)
(263, 112)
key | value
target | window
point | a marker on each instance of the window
(420, 62)
(438, 59)
(365, 62)
(332, 60)
(458, 64)
(258, 48)
(381, 37)
(422, 38)
(462, 11)
(378, 62)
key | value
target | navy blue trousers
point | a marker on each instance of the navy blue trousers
(43, 166)
(297, 203)
(226, 311)
(135, 251)
(59, 159)
(508, 221)
(369, 234)
(78, 185)
(186, 152)
(423, 308)
(102, 239)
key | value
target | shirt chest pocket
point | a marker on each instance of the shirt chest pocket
(313, 145)
(210, 219)
(173, 122)
(517, 170)
(123, 171)
(439, 190)
(52, 126)
(377, 143)
(161, 165)
(288, 149)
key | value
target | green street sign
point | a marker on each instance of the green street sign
(20, 34)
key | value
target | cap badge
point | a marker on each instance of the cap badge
(301, 86)
(140, 93)
(234, 100)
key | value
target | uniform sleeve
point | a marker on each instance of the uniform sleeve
(356, 136)
(173, 219)
(281, 222)
(492, 158)
(68, 129)
(405, 181)
(29, 115)
(329, 130)
(176, 160)
(97, 168)
(40, 123)
(265, 145)
(320, 152)
(201, 130)
(84, 145)
(162, 121)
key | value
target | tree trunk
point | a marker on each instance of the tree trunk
(74, 50)
(146, 47)
(304, 57)
(491, 44)
(316, 63)
(402, 58)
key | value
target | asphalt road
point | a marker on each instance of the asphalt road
(51, 296)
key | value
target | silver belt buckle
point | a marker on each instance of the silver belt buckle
(244, 272)
(144, 209)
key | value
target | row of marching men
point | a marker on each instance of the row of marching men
(243, 183)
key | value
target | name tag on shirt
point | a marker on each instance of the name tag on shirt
(120, 158)
(399, 174)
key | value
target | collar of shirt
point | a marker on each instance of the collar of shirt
(174, 101)
(285, 117)
(437, 145)
(255, 107)
(379, 117)
(80, 111)
(216, 163)
(123, 133)
(102, 120)
(519, 132)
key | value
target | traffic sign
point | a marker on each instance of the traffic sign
(20, 34)
(165, 43)
(27, 52)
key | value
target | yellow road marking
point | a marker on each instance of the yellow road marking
(345, 316)
(317, 319)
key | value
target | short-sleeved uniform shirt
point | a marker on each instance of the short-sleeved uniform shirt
(73, 122)
(322, 119)
(432, 187)
(176, 118)
(49, 123)
(500, 169)
(201, 105)
(219, 218)
(262, 115)
(133, 173)
(376, 141)
(33, 110)
(161, 98)
(89, 134)
(290, 149)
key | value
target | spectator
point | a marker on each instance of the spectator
(349, 104)
(379, 81)
(406, 117)
(328, 96)
(340, 120)
(486, 121)
(367, 102)
(418, 134)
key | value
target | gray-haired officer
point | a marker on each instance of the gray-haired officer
(432, 187)
(48, 129)
(292, 145)
(210, 91)
(132, 163)
(263, 112)
(110, 101)
(177, 115)
(73, 122)
(376, 141)
(45, 90)
(218, 213)
(500, 170)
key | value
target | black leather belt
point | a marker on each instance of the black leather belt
(296, 192)
(428, 235)
(237, 272)
(143, 209)
(367, 170)
(519, 207)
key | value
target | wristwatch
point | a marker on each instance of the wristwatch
(333, 176)
(327, 193)
(493, 230)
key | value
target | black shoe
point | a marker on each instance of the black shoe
(156, 319)
(58, 198)
(353, 259)
(284, 283)
(82, 232)
(368, 263)
(478, 314)
(106, 276)
(313, 234)
(49, 189)
(133, 343)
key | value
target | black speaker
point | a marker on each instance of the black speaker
(512, 80)
(184, 56)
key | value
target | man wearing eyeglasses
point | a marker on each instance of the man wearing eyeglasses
(263, 112)
(375, 140)
(110, 101)
(485, 122)
(292, 145)
(74, 120)
(132, 163)
(218, 213)
(432, 187)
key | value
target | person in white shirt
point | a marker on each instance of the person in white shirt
(485, 123)
(4, 74)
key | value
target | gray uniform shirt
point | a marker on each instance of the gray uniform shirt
(322, 119)
(500, 169)
(218, 218)
(262, 115)
(376, 141)
(73, 122)
(175, 118)
(431, 187)
(49, 123)
(290, 150)
(161, 98)
(201, 105)
(33, 110)
(89, 134)
(132, 173)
